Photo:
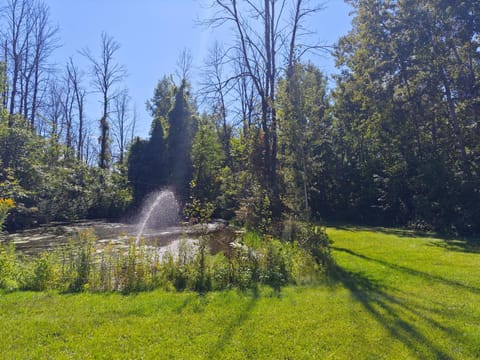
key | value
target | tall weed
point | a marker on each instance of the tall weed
(252, 260)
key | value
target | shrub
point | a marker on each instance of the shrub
(277, 269)
(310, 237)
(5, 206)
(44, 274)
(9, 268)
(81, 262)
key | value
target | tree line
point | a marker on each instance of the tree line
(50, 163)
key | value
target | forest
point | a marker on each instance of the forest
(393, 140)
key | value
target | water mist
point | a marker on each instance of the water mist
(160, 210)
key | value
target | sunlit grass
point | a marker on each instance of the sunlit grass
(391, 295)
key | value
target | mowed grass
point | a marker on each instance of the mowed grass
(390, 296)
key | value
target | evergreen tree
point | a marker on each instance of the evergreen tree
(182, 128)
(156, 155)
(162, 101)
(139, 169)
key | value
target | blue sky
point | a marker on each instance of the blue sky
(153, 33)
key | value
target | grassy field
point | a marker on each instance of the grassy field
(391, 296)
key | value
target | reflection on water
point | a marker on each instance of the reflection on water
(34, 241)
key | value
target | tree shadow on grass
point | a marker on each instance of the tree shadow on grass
(392, 313)
(235, 322)
(407, 233)
(468, 245)
(413, 272)
(449, 242)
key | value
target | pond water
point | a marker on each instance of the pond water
(49, 237)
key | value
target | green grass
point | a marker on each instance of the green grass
(391, 296)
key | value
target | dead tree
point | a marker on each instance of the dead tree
(45, 41)
(122, 124)
(261, 31)
(214, 89)
(106, 73)
(28, 40)
(79, 94)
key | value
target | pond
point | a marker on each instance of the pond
(120, 235)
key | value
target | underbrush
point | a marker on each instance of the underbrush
(254, 259)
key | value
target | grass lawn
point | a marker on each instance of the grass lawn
(391, 296)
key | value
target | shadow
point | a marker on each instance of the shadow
(450, 242)
(391, 313)
(406, 233)
(185, 303)
(464, 245)
(410, 271)
(230, 330)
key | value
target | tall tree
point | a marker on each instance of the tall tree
(162, 101)
(79, 93)
(215, 90)
(304, 132)
(405, 99)
(182, 127)
(122, 123)
(15, 40)
(45, 41)
(106, 73)
(28, 39)
(261, 28)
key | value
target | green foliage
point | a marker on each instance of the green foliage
(254, 210)
(81, 264)
(404, 100)
(162, 101)
(207, 161)
(84, 265)
(278, 270)
(111, 194)
(47, 183)
(45, 273)
(5, 206)
(198, 212)
(312, 239)
(182, 128)
(139, 168)
(9, 268)
(166, 158)
(303, 111)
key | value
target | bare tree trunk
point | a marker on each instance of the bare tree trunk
(214, 90)
(106, 73)
(121, 124)
(258, 53)
(79, 95)
(45, 43)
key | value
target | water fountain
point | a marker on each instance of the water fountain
(158, 223)
(159, 211)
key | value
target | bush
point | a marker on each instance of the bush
(81, 262)
(9, 268)
(277, 269)
(310, 237)
(5, 206)
(44, 274)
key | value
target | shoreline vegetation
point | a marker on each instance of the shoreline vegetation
(245, 263)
